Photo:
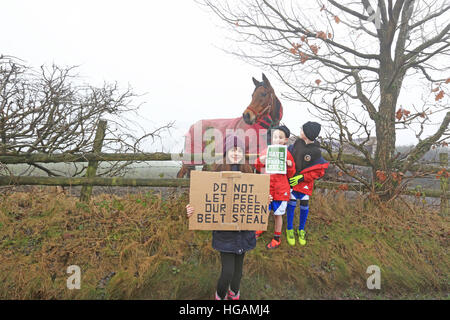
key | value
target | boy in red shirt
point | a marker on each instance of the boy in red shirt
(279, 184)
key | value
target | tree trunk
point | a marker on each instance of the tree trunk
(390, 84)
(385, 131)
(3, 148)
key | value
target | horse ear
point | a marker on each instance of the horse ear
(256, 82)
(266, 81)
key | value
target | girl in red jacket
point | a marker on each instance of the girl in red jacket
(279, 185)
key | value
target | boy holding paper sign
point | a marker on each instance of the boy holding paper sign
(273, 162)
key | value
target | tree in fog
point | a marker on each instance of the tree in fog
(50, 110)
(349, 63)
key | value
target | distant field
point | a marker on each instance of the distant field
(149, 169)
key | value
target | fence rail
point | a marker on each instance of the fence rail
(127, 182)
(160, 156)
(93, 181)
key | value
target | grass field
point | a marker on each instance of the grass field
(139, 247)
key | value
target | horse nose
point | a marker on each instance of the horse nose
(246, 117)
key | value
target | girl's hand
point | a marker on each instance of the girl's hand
(262, 159)
(270, 198)
(189, 210)
(289, 163)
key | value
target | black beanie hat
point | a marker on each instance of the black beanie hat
(311, 130)
(285, 129)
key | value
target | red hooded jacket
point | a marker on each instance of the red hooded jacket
(279, 184)
(309, 175)
(314, 170)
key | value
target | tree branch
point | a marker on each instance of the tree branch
(352, 12)
(425, 145)
(427, 44)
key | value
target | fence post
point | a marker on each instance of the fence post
(443, 158)
(91, 170)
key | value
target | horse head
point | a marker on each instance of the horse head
(264, 101)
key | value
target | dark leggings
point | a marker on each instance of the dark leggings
(231, 273)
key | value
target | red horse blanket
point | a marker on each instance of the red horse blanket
(204, 136)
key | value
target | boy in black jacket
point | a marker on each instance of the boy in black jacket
(309, 166)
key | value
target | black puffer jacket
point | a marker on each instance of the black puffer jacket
(304, 154)
(233, 241)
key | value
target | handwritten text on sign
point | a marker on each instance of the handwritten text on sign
(237, 201)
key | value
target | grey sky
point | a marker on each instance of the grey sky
(167, 49)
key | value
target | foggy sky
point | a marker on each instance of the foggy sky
(169, 50)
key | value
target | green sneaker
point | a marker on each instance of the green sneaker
(290, 237)
(301, 237)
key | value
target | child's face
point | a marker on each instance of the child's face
(235, 155)
(279, 137)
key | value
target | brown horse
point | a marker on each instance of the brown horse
(263, 112)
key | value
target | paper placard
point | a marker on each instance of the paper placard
(229, 200)
(276, 159)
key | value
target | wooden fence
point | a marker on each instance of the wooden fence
(96, 156)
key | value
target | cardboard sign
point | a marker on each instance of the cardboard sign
(276, 159)
(229, 200)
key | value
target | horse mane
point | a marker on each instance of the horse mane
(277, 112)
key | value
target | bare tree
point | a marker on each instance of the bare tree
(50, 111)
(349, 61)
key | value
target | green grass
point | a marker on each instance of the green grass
(139, 247)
